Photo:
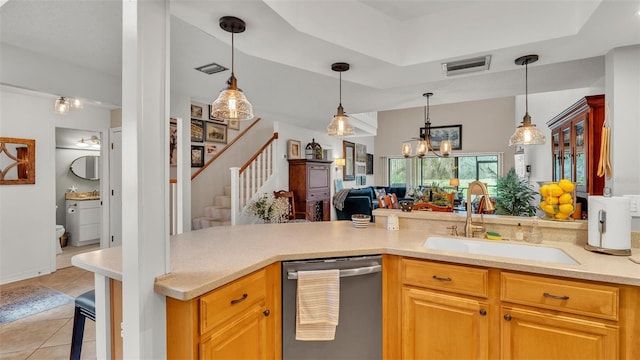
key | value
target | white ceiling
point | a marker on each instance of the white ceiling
(395, 48)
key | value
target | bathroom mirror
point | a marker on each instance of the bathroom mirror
(86, 167)
(17, 161)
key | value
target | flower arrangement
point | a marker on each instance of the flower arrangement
(415, 192)
(268, 208)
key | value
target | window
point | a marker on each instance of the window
(428, 171)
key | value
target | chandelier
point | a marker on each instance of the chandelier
(424, 142)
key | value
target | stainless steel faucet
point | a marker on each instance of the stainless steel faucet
(470, 227)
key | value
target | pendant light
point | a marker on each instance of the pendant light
(62, 105)
(424, 144)
(231, 104)
(527, 133)
(339, 125)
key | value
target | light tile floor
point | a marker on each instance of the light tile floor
(47, 335)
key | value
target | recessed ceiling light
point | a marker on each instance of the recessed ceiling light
(211, 68)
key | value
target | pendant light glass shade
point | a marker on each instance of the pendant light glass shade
(339, 125)
(231, 103)
(527, 133)
(62, 105)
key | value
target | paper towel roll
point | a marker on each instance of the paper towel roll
(617, 232)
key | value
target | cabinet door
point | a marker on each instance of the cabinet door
(530, 334)
(567, 156)
(439, 326)
(557, 156)
(243, 337)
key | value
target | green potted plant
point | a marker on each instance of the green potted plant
(514, 196)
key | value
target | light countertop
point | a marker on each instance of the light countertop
(206, 259)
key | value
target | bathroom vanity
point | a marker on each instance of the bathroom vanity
(83, 220)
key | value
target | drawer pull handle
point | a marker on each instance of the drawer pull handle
(441, 278)
(556, 296)
(243, 298)
(266, 312)
(483, 312)
(507, 317)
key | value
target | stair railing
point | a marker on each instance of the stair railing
(247, 180)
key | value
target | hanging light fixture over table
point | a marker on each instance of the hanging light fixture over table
(527, 133)
(231, 103)
(339, 125)
(424, 144)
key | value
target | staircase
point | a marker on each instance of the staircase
(218, 214)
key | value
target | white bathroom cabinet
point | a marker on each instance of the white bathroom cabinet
(83, 222)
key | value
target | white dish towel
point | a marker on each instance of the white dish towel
(317, 305)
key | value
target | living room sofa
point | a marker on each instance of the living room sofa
(364, 201)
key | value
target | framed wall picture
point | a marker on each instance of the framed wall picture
(197, 130)
(361, 153)
(197, 155)
(196, 111)
(369, 164)
(294, 149)
(173, 142)
(234, 124)
(439, 133)
(210, 149)
(214, 119)
(216, 132)
(349, 154)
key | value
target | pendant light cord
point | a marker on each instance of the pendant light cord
(232, 53)
(526, 86)
(340, 92)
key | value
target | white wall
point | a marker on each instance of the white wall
(27, 212)
(622, 94)
(486, 127)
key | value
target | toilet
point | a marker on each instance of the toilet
(59, 232)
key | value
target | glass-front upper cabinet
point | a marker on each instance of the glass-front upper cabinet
(575, 145)
(580, 154)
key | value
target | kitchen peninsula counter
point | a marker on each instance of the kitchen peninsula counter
(206, 259)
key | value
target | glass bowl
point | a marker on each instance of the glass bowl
(558, 200)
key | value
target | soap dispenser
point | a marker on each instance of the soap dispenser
(536, 236)
(519, 233)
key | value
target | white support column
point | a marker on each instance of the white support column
(235, 194)
(145, 174)
(103, 317)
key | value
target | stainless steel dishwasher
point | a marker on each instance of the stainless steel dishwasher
(359, 330)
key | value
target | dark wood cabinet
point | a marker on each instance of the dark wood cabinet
(575, 144)
(310, 182)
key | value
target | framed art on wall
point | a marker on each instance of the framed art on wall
(439, 133)
(234, 124)
(197, 130)
(294, 149)
(361, 153)
(216, 132)
(349, 153)
(369, 164)
(197, 155)
(196, 111)
(173, 141)
(212, 118)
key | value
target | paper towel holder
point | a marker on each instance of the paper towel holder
(602, 228)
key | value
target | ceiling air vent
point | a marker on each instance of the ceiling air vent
(212, 68)
(466, 66)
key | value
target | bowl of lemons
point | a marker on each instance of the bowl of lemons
(558, 199)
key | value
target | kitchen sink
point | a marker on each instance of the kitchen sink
(495, 248)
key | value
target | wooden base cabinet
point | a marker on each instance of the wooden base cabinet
(310, 182)
(431, 321)
(530, 334)
(450, 311)
(240, 320)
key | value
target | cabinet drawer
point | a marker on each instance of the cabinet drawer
(459, 279)
(231, 299)
(565, 295)
(316, 195)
